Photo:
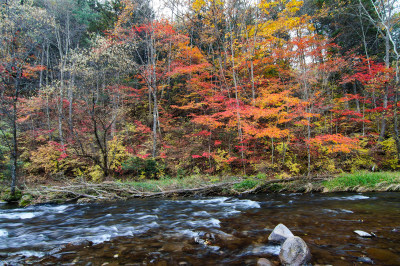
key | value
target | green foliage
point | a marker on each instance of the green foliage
(6, 195)
(181, 173)
(246, 184)
(25, 200)
(364, 179)
(144, 168)
(261, 176)
(275, 187)
(145, 186)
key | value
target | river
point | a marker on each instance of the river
(204, 231)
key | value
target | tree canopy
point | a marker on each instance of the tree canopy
(104, 89)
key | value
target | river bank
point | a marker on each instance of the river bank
(83, 192)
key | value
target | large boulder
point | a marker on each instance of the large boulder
(294, 252)
(280, 234)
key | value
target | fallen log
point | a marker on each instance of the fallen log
(265, 184)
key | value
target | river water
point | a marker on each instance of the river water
(204, 231)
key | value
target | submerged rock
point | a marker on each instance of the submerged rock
(294, 252)
(363, 233)
(266, 249)
(70, 246)
(384, 256)
(365, 260)
(280, 234)
(263, 262)
(173, 247)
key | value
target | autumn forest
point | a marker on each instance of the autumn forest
(128, 89)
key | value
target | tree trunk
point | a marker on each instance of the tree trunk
(237, 98)
(355, 93)
(386, 93)
(155, 112)
(396, 124)
(153, 84)
(14, 152)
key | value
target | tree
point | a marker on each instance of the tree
(20, 37)
(385, 17)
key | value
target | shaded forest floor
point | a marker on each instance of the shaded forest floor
(81, 192)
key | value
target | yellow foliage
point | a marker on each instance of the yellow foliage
(294, 167)
(198, 4)
(117, 153)
(221, 158)
(389, 146)
(325, 164)
(96, 173)
(50, 159)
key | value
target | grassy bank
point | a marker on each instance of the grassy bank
(364, 181)
(360, 181)
(205, 185)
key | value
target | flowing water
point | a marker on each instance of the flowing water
(203, 231)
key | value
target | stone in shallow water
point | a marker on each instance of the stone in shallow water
(263, 262)
(173, 247)
(363, 233)
(365, 260)
(280, 234)
(294, 252)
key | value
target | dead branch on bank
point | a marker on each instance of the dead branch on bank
(122, 191)
(264, 185)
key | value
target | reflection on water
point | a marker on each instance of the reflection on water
(200, 231)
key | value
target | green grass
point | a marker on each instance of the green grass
(246, 184)
(363, 179)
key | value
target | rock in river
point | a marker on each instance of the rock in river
(365, 260)
(362, 233)
(263, 262)
(280, 234)
(294, 252)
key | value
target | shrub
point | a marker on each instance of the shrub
(96, 173)
(6, 195)
(246, 184)
(390, 160)
(51, 158)
(145, 168)
(25, 200)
